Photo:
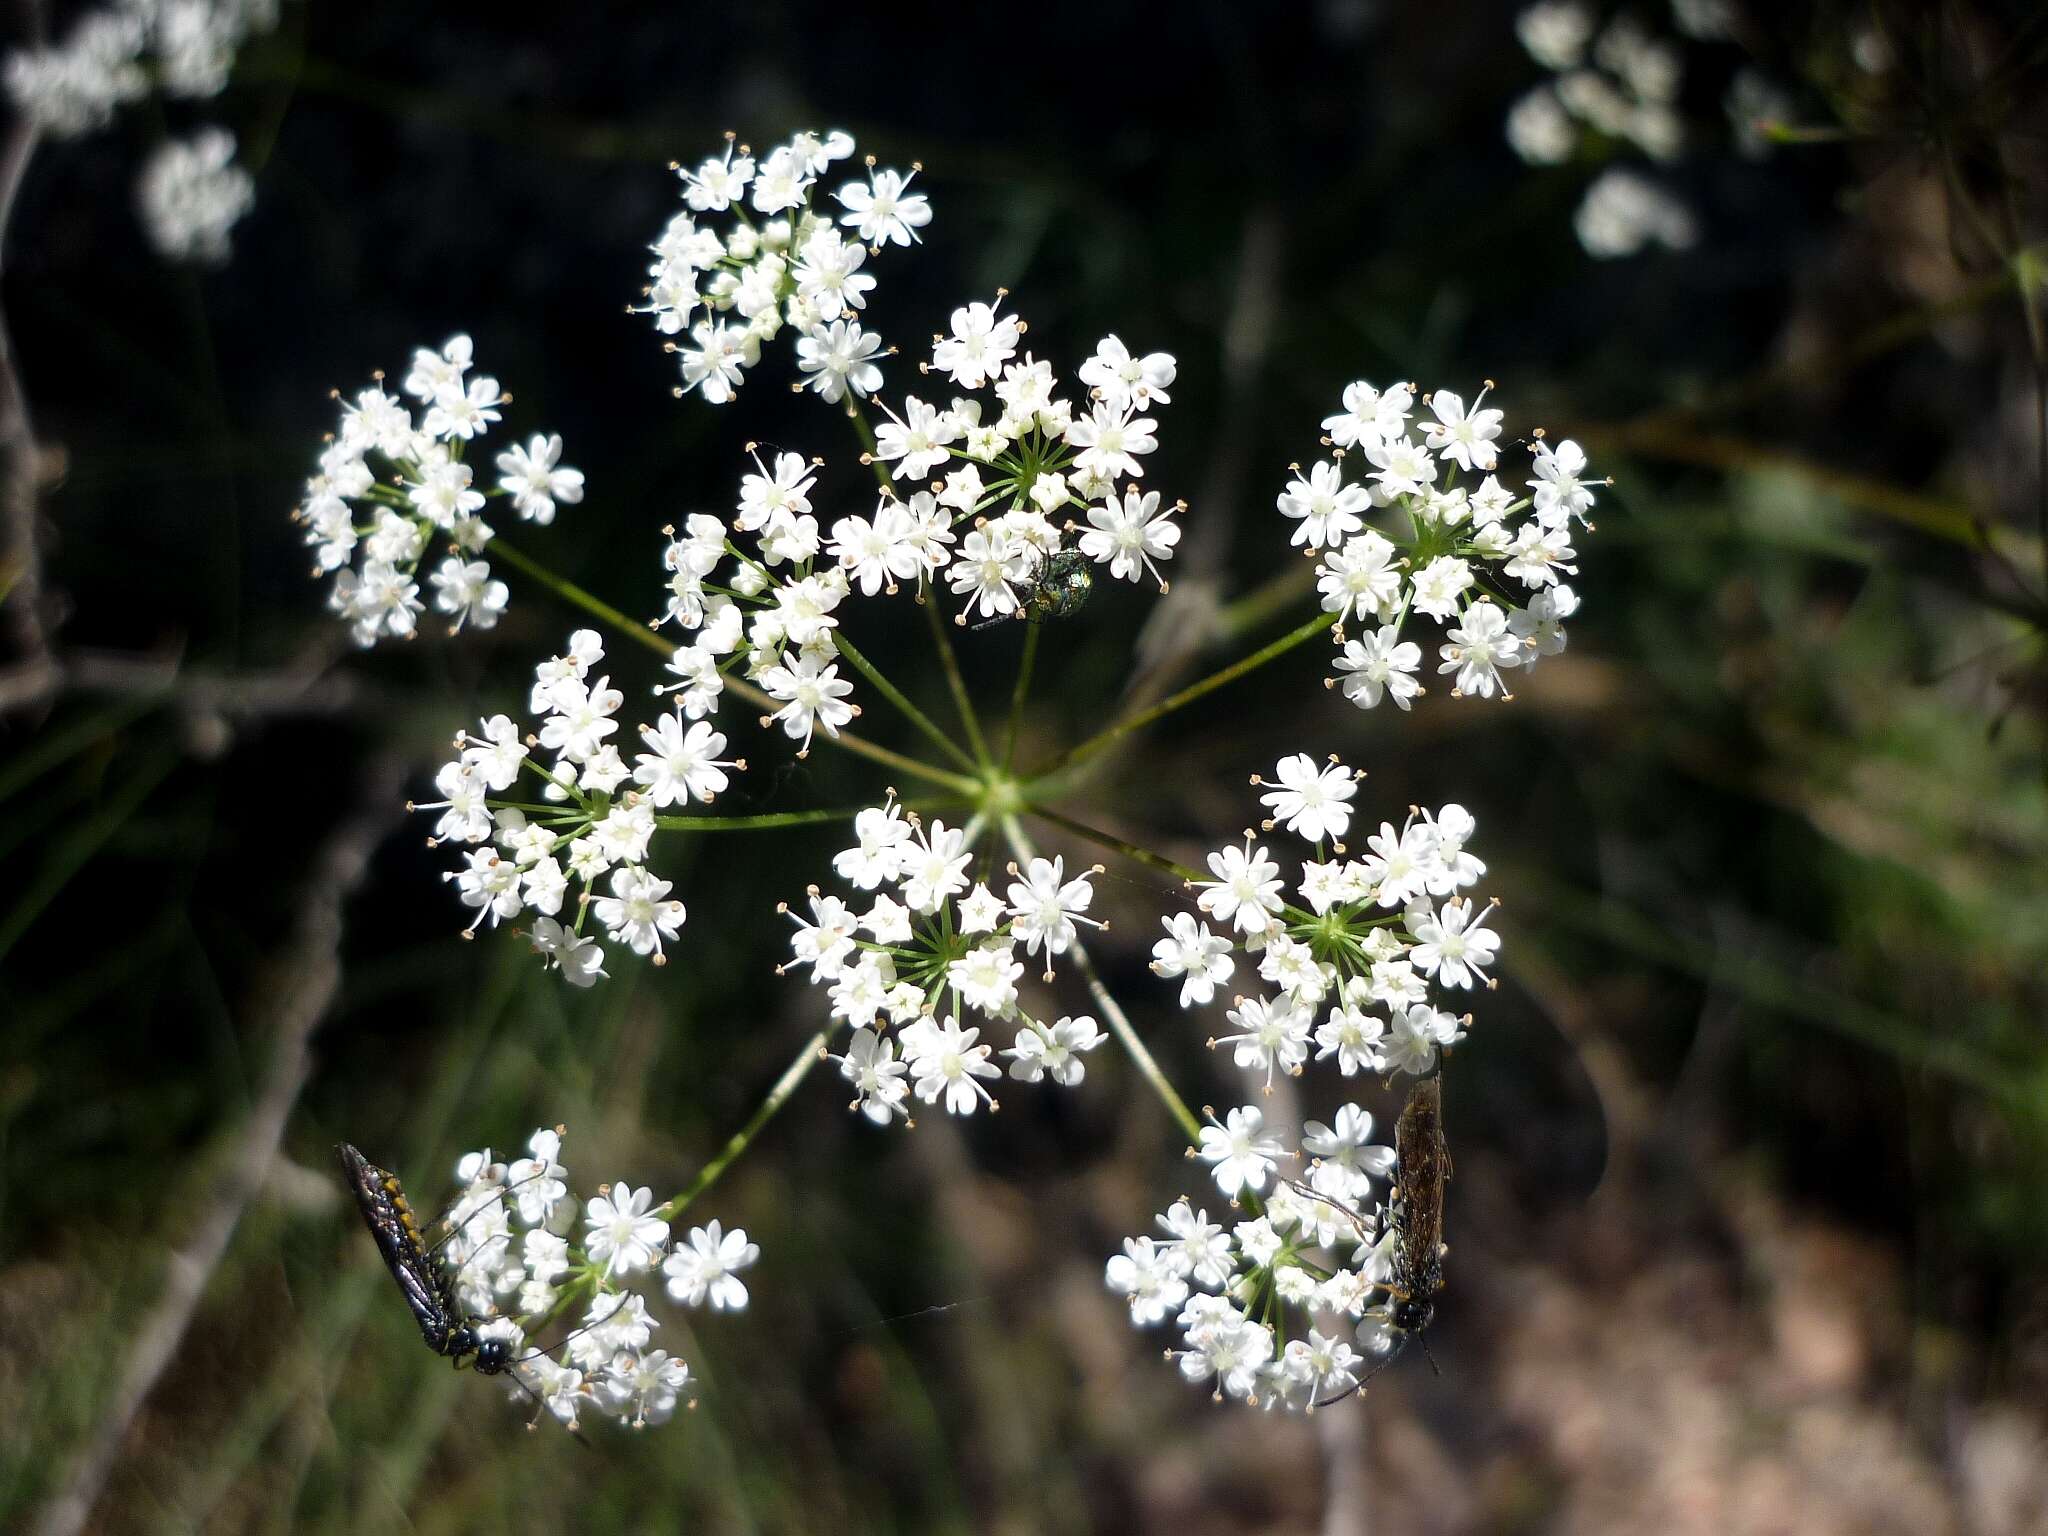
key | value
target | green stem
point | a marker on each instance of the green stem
(1119, 1022)
(597, 607)
(1270, 598)
(1116, 844)
(864, 430)
(1020, 693)
(577, 597)
(785, 1085)
(896, 696)
(781, 818)
(949, 663)
(1144, 717)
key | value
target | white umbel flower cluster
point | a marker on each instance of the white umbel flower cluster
(779, 262)
(1017, 458)
(191, 194)
(595, 826)
(1616, 88)
(1353, 964)
(933, 947)
(769, 585)
(1400, 527)
(116, 55)
(1269, 1304)
(1622, 84)
(390, 487)
(519, 1264)
(1624, 211)
(776, 605)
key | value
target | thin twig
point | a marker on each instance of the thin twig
(312, 685)
(21, 571)
(302, 984)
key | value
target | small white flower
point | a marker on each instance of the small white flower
(1195, 955)
(877, 855)
(1540, 626)
(980, 911)
(870, 1064)
(1463, 437)
(1110, 442)
(1327, 510)
(1353, 1037)
(535, 479)
(986, 979)
(619, 1232)
(1056, 1051)
(1453, 942)
(1560, 487)
(1246, 890)
(1201, 1249)
(1312, 801)
(839, 357)
(1347, 1162)
(882, 209)
(1239, 1152)
(1370, 416)
(644, 1389)
(1272, 1036)
(980, 343)
(916, 442)
(1418, 1034)
(1125, 381)
(681, 765)
(637, 913)
(1380, 665)
(814, 696)
(580, 959)
(1478, 649)
(1129, 537)
(945, 1062)
(1145, 1273)
(1046, 906)
(707, 1268)
(1440, 584)
(934, 866)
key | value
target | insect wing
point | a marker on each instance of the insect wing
(1423, 1160)
(389, 1218)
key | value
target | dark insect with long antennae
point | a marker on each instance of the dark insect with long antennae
(446, 1327)
(1422, 1167)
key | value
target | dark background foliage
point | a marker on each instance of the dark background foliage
(1748, 1228)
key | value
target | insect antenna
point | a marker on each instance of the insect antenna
(1348, 1213)
(472, 1216)
(1363, 1381)
(500, 1193)
(541, 1411)
(623, 1299)
(1434, 1368)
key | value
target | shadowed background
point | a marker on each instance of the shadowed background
(1747, 1232)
